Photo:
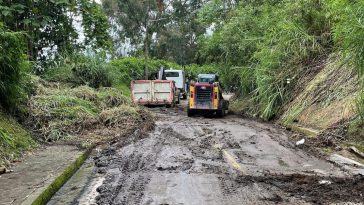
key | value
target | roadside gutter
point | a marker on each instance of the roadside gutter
(47, 194)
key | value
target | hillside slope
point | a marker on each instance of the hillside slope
(14, 139)
(327, 99)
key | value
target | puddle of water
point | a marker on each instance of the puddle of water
(89, 196)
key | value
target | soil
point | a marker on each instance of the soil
(218, 161)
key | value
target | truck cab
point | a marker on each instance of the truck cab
(206, 96)
(178, 76)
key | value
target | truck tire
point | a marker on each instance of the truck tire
(190, 113)
(220, 113)
(178, 100)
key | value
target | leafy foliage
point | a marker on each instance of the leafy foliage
(94, 71)
(360, 105)
(95, 25)
(177, 40)
(158, 29)
(193, 70)
(13, 69)
(50, 25)
(348, 32)
(125, 70)
(263, 45)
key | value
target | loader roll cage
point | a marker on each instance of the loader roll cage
(207, 78)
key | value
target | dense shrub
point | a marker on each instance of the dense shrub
(261, 45)
(126, 69)
(79, 69)
(193, 70)
(95, 71)
(14, 70)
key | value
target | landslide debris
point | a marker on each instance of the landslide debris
(82, 114)
(313, 189)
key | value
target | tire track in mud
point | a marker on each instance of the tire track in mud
(179, 164)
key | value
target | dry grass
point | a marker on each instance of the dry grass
(82, 114)
(327, 99)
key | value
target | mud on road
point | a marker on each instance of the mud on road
(218, 161)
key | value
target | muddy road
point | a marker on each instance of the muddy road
(197, 161)
(218, 161)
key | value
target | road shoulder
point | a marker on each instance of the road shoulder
(39, 172)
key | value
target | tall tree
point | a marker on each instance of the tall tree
(137, 21)
(42, 21)
(51, 24)
(164, 29)
(95, 24)
(177, 41)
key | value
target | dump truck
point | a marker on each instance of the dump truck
(179, 77)
(206, 97)
(155, 92)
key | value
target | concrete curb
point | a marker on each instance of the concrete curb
(48, 193)
(350, 165)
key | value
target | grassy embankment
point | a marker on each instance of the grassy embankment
(14, 139)
(301, 64)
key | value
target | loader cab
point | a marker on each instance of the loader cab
(207, 78)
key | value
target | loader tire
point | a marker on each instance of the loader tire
(190, 113)
(178, 101)
(220, 113)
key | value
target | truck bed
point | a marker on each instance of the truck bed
(152, 92)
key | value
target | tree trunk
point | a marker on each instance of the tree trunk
(146, 45)
(160, 5)
(146, 53)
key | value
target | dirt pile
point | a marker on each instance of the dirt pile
(314, 189)
(82, 114)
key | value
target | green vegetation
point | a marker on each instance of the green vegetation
(50, 25)
(124, 70)
(356, 128)
(157, 29)
(193, 70)
(14, 80)
(264, 45)
(95, 71)
(266, 52)
(348, 31)
(301, 58)
(79, 69)
(360, 105)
